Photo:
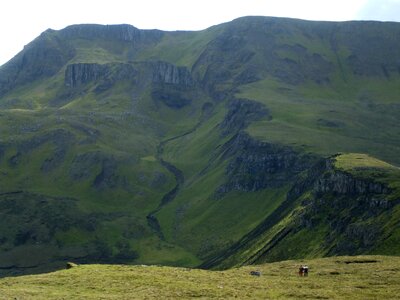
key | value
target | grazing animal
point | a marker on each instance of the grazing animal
(255, 273)
(303, 270)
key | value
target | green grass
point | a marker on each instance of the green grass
(154, 251)
(358, 116)
(354, 161)
(180, 48)
(361, 277)
(129, 204)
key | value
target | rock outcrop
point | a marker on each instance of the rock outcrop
(80, 74)
(350, 205)
(342, 183)
(256, 165)
(171, 85)
(241, 112)
(151, 72)
(164, 72)
(123, 32)
(253, 164)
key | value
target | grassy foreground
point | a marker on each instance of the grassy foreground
(359, 277)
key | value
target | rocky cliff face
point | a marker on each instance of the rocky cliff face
(47, 54)
(124, 32)
(341, 183)
(170, 74)
(43, 57)
(350, 207)
(80, 74)
(257, 165)
(152, 72)
(345, 209)
(171, 85)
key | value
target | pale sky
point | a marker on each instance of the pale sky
(23, 20)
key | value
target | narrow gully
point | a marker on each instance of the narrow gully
(152, 220)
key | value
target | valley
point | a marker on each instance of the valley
(254, 141)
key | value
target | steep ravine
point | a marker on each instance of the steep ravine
(152, 220)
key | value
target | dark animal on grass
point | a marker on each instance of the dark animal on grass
(255, 273)
(303, 270)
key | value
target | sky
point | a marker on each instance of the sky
(23, 20)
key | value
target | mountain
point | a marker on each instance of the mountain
(256, 140)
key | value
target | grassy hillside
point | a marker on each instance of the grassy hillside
(359, 277)
(143, 146)
(350, 114)
(347, 204)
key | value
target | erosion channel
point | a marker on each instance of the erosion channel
(152, 220)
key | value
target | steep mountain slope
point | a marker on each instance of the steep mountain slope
(345, 204)
(128, 145)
